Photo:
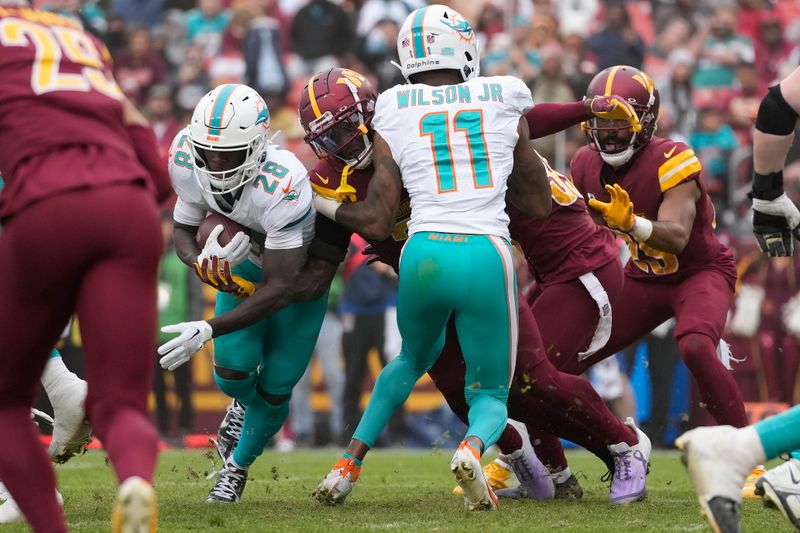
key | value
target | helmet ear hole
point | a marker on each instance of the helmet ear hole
(468, 56)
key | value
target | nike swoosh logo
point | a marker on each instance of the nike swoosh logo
(794, 479)
(669, 154)
(323, 180)
(288, 186)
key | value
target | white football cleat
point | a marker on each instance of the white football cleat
(10, 513)
(136, 508)
(718, 463)
(71, 431)
(338, 483)
(478, 495)
(780, 487)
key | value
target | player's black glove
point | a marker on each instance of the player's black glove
(775, 218)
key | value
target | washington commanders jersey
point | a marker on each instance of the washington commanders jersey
(277, 203)
(657, 167)
(454, 145)
(61, 110)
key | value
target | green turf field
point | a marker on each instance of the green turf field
(399, 490)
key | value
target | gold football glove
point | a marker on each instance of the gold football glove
(618, 213)
(615, 108)
(219, 276)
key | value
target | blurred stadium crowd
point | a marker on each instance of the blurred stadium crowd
(712, 61)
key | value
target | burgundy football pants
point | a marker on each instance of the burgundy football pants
(700, 305)
(94, 252)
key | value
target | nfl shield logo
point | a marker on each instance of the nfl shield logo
(430, 38)
(406, 43)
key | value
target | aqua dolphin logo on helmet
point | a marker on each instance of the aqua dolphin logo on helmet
(461, 26)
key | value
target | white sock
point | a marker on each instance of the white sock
(561, 476)
(56, 377)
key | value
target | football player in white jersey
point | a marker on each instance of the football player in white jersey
(457, 142)
(224, 163)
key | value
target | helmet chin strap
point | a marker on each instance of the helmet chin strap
(620, 158)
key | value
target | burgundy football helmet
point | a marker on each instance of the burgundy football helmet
(615, 139)
(336, 108)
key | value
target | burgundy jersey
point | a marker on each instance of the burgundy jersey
(568, 243)
(659, 166)
(59, 103)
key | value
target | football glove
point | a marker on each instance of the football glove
(235, 251)
(615, 107)
(193, 335)
(774, 224)
(218, 275)
(618, 213)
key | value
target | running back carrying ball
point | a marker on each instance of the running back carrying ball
(229, 229)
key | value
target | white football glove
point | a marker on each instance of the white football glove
(791, 315)
(193, 335)
(235, 252)
(774, 224)
(747, 317)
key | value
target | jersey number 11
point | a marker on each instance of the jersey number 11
(469, 121)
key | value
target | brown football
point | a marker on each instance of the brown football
(211, 221)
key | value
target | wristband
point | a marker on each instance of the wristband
(326, 206)
(767, 186)
(642, 229)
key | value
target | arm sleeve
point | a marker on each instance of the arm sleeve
(293, 234)
(547, 119)
(523, 99)
(331, 241)
(683, 165)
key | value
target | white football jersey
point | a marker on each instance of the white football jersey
(277, 203)
(454, 145)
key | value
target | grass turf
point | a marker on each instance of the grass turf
(399, 490)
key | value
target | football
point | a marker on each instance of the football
(211, 221)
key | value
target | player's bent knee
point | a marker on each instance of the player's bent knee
(273, 399)
(227, 373)
(235, 383)
(696, 345)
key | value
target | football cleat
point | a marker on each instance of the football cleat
(338, 483)
(478, 495)
(780, 487)
(10, 513)
(531, 473)
(230, 430)
(230, 484)
(718, 465)
(749, 487)
(568, 489)
(136, 508)
(71, 431)
(502, 480)
(631, 466)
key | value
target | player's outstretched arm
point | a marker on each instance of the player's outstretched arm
(374, 217)
(775, 217)
(528, 187)
(280, 268)
(549, 118)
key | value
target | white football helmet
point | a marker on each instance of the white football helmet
(231, 119)
(437, 37)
